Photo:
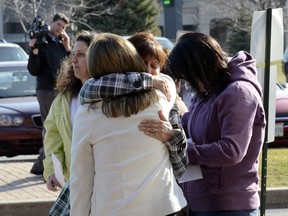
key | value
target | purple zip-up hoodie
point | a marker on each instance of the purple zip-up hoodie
(227, 133)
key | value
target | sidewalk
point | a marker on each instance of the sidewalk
(25, 194)
(22, 193)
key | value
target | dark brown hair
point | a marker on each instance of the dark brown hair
(60, 16)
(198, 57)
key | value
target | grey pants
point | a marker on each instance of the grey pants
(45, 99)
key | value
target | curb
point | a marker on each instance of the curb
(26, 208)
(277, 197)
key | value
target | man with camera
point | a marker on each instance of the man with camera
(48, 49)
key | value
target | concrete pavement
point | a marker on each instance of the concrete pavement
(22, 193)
(25, 194)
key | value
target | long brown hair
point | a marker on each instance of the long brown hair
(197, 57)
(111, 53)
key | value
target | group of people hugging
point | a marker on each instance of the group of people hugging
(124, 137)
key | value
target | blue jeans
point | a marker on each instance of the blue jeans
(253, 212)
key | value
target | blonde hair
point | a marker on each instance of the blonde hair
(110, 53)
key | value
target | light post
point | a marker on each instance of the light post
(172, 17)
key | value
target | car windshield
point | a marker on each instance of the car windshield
(16, 82)
(12, 54)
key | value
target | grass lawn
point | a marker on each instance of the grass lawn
(277, 167)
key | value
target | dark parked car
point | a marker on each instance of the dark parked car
(18, 104)
(11, 52)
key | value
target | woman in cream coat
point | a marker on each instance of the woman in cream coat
(115, 168)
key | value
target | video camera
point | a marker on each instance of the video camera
(39, 31)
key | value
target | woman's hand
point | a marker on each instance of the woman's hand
(181, 105)
(162, 85)
(52, 184)
(159, 129)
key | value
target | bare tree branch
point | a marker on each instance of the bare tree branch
(21, 11)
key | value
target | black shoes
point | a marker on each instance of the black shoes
(37, 168)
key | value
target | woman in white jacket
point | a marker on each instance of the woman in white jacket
(115, 168)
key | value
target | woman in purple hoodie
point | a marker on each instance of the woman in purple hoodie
(226, 124)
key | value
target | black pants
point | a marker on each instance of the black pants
(182, 212)
(286, 70)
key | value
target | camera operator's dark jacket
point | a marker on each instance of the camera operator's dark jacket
(46, 63)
